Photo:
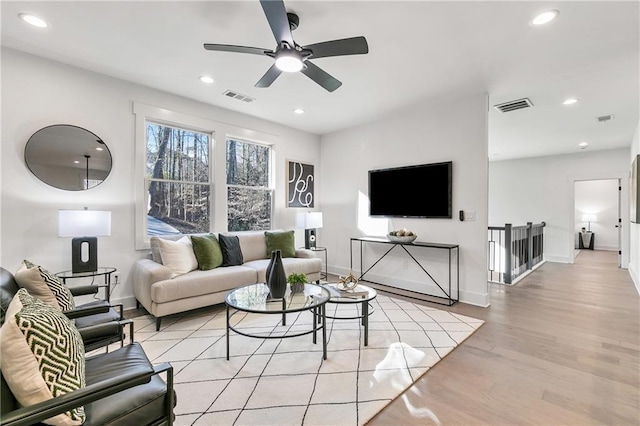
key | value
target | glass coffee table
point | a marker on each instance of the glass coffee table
(254, 298)
(360, 294)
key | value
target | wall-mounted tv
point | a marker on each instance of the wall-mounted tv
(421, 191)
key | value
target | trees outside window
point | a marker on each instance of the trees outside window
(177, 179)
(249, 196)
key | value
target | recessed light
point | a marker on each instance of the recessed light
(545, 17)
(583, 145)
(99, 149)
(33, 20)
(570, 101)
(76, 162)
(206, 79)
(298, 111)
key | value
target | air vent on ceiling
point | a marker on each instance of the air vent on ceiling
(604, 118)
(238, 96)
(514, 105)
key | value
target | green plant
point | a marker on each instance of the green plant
(297, 278)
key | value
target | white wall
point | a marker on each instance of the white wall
(432, 131)
(634, 228)
(599, 197)
(37, 93)
(542, 189)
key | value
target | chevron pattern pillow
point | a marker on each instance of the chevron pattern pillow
(41, 355)
(44, 285)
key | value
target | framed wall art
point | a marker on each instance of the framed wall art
(300, 184)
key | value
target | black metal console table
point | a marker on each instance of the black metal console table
(447, 299)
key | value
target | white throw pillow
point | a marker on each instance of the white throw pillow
(178, 255)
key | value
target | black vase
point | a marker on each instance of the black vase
(276, 277)
(269, 266)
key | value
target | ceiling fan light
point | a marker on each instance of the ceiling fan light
(545, 17)
(288, 62)
(33, 20)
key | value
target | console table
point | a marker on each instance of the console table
(447, 298)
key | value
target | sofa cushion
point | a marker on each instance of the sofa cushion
(253, 245)
(291, 265)
(42, 355)
(197, 283)
(44, 285)
(231, 253)
(281, 240)
(178, 255)
(207, 250)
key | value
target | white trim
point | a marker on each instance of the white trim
(162, 116)
(634, 277)
(559, 259)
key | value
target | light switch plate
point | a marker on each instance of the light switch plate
(470, 215)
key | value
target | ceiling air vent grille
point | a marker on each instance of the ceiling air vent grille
(514, 105)
(238, 96)
(604, 118)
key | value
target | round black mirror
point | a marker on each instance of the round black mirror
(68, 157)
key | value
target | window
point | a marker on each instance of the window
(249, 195)
(177, 180)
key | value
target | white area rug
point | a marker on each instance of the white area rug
(286, 381)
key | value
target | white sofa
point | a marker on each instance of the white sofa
(162, 295)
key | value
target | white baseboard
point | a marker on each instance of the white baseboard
(635, 277)
(126, 302)
(557, 259)
(606, 248)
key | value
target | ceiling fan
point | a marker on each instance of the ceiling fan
(291, 57)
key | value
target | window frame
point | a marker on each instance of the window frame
(270, 188)
(146, 113)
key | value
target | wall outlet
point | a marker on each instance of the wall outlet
(470, 215)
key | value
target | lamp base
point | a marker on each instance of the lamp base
(309, 238)
(79, 265)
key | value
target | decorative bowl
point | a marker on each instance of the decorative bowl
(403, 239)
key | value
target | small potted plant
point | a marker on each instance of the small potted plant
(297, 282)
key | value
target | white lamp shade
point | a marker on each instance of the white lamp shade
(589, 218)
(309, 220)
(84, 223)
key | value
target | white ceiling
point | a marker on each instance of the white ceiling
(417, 50)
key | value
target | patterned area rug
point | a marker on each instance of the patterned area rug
(286, 381)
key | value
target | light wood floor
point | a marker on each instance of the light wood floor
(560, 347)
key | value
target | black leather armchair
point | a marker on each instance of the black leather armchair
(99, 323)
(122, 386)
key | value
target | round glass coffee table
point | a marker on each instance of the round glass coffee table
(360, 294)
(254, 298)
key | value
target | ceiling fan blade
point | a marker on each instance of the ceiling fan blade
(277, 16)
(321, 77)
(236, 49)
(269, 77)
(345, 46)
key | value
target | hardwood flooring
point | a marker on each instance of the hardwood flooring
(562, 346)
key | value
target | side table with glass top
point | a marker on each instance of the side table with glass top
(254, 298)
(105, 271)
(360, 294)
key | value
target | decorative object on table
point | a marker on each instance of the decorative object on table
(589, 218)
(84, 226)
(348, 282)
(309, 221)
(277, 281)
(300, 180)
(297, 282)
(402, 236)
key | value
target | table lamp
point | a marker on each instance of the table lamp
(84, 226)
(309, 221)
(589, 218)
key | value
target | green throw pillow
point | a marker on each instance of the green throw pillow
(281, 240)
(207, 251)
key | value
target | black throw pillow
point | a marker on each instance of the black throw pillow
(231, 253)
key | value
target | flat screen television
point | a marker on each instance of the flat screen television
(421, 191)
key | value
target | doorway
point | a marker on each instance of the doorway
(597, 216)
